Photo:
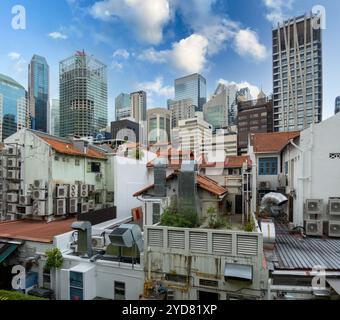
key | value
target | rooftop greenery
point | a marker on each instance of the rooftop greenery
(15, 295)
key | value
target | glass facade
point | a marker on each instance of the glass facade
(38, 93)
(192, 87)
(13, 107)
(83, 95)
(123, 106)
(337, 105)
(158, 120)
(55, 118)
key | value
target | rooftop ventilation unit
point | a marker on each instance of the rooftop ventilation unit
(12, 208)
(314, 228)
(334, 206)
(187, 189)
(98, 242)
(39, 208)
(61, 207)
(10, 217)
(127, 235)
(39, 184)
(2, 162)
(39, 195)
(73, 205)
(12, 151)
(61, 192)
(84, 242)
(13, 186)
(12, 197)
(160, 177)
(25, 200)
(334, 229)
(314, 206)
(73, 191)
(83, 190)
(25, 210)
(12, 163)
(91, 204)
(84, 207)
(2, 173)
(13, 175)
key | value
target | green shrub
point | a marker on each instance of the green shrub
(16, 295)
(249, 227)
(185, 219)
(54, 259)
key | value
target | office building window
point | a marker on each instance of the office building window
(267, 166)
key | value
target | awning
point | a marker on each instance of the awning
(6, 250)
(238, 271)
(335, 284)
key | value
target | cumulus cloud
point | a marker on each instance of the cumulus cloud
(157, 88)
(254, 90)
(122, 53)
(276, 9)
(147, 17)
(247, 44)
(18, 63)
(14, 56)
(56, 35)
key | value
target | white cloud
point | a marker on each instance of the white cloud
(247, 44)
(147, 17)
(254, 90)
(276, 9)
(56, 35)
(122, 53)
(116, 65)
(14, 56)
(156, 88)
(154, 56)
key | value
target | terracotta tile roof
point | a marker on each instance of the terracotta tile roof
(36, 231)
(272, 142)
(68, 148)
(202, 182)
(237, 161)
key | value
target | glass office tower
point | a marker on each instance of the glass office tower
(337, 105)
(297, 74)
(13, 107)
(192, 87)
(38, 93)
(123, 106)
(83, 95)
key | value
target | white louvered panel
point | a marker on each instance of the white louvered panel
(198, 241)
(247, 245)
(155, 237)
(176, 239)
(222, 243)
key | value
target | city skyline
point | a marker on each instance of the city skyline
(152, 60)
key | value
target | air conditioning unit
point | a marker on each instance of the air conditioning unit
(39, 184)
(314, 228)
(39, 208)
(264, 185)
(39, 195)
(98, 242)
(12, 175)
(3, 206)
(92, 188)
(12, 163)
(73, 191)
(61, 207)
(10, 217)
(334, 229)
(92, 205)
(83, 190)
(13, 186)
(11, 208)
(314, 206)
(72, 205)
(25, 210)
(12, 151)
(25, 200)
(12, 197)
(84, 207)
(334, 206)
(61, 191)
(2, 162)
(3, 173)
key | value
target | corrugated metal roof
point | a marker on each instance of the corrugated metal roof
(294, 252)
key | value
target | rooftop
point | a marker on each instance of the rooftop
(272, 142)
(37, 231)
(294, 252)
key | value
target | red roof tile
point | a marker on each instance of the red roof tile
(36, 231)
(69, 148)
(272, 142)
(237, 161)
(202, 182)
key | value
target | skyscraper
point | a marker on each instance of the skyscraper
(181, 110)
(38, 93)
(138, 106)
(123, 106)
(192, 87)
(13, 107)
(297, 73)
(55, 117)
(337, 105)
(159, 123)
(83, 95)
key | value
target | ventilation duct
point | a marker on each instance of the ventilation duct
(84, 229)
(272, 204)
(187, 190)
(160, 165)
(127, 235)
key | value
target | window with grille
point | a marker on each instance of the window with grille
(156, 213)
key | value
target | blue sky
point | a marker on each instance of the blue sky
(148, 43)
